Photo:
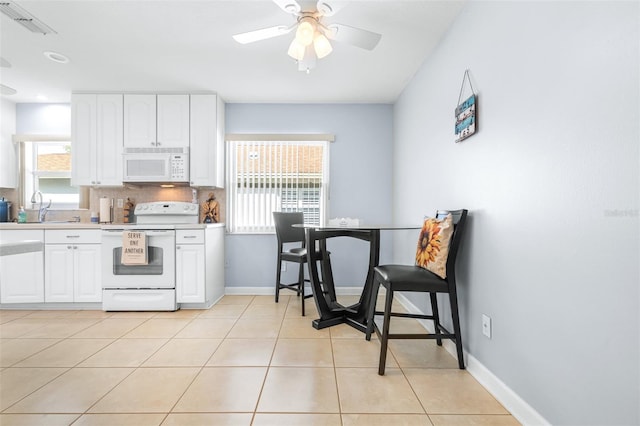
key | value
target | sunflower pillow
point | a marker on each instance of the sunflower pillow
(433, 245)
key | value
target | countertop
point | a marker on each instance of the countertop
(87, 225)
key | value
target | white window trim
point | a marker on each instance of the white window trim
(25, 180)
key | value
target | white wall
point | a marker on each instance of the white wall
(552, 184)
(360, 173)
(50, 119)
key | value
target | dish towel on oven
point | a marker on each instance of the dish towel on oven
(134, 248)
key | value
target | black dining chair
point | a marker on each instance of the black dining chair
(414, 278)
(287, 235)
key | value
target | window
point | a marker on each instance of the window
(46, 167)
(264, 176)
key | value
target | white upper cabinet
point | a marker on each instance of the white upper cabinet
(173, 121)
(96, 139)
(8, 150)
(207, 141)
(140, 121)
(156, 121)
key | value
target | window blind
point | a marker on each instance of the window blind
(264, 176)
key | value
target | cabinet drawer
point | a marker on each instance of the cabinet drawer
(16, 236)
(66, 236)
(190, 236)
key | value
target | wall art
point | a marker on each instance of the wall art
(466, 112)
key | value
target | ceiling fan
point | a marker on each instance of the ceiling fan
(312, 35)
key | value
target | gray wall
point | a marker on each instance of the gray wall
(360, 173)
(551, 181)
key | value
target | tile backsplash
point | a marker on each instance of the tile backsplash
(137, 194)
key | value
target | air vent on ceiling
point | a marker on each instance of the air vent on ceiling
(24, 18)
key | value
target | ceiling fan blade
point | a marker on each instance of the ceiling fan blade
(6, 90)
(289, 6)
(352, 35)
(262, 34)
(329, 8)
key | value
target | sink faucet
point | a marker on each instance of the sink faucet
(42, 210)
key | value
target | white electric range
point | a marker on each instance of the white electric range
(150, 286)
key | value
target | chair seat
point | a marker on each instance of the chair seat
(409, 278)
(298, 255)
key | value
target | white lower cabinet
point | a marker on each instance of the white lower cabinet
(21, 275)
(190, 273)
(200, 265)
(72, 266)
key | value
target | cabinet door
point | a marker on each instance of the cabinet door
(173, 121)
(207, 147)
(83, 139)
(87, 273)
(58, 277)
(22, 278)
(190, 273)
(109, 140)
(139, 121)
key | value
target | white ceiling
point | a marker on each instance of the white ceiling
(187, 46)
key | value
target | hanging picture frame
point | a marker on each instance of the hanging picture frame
(466, 112)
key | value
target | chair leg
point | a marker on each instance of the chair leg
(278, 274)
(456, 328)
(384, 338)
(301, 285)
(436, 317)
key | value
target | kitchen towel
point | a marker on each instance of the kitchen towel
(134, 248)
(105, 210)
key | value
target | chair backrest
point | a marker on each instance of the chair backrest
(459, 220)
(284, 231)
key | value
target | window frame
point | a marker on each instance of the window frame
(27, 174)
(234, 140)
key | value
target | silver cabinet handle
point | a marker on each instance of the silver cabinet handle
(190, 236)
(73, 236)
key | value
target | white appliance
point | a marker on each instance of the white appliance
(152, 286)
(156, 165)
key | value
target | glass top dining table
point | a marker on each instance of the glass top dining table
(331, 312)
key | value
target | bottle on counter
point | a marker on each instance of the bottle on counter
(22, 215)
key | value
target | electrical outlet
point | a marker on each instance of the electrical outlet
(486, 326)
(120, 203)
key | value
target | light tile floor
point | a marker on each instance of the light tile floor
(245, 361)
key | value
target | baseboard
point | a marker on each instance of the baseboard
(518, 407)
(269, 291)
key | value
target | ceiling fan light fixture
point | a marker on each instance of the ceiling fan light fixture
(296, 50)
(322, 45)
(306, 30)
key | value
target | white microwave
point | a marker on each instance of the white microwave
(156, 165)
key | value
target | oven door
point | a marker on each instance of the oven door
(158, 273)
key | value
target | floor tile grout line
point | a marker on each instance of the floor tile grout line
(335, 375)
(266, 373)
